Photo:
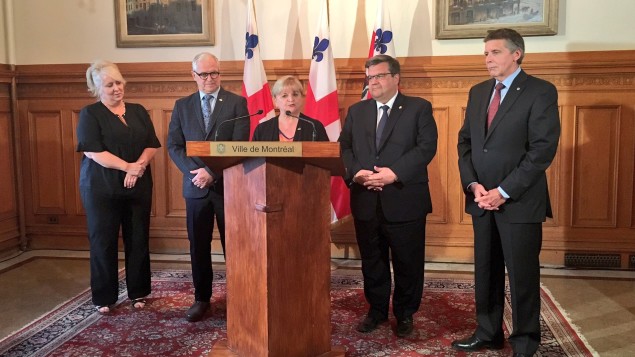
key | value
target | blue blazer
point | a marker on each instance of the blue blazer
(187, 124)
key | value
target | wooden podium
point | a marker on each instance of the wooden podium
(277, 214)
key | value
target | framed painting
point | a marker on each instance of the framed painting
(163, 23)
(474, 18)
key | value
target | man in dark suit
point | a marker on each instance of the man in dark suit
(204, 115)
(502, 166)
(387, 144)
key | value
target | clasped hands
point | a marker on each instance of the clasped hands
(134, 170)
(375, 180)
(488, 200)
(202, 178)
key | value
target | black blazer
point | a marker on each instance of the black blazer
(516, 150)
(408, 145)
(269, 130)
(187, 125)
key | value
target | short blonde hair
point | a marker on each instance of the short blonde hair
(287, 81)
(98, 69)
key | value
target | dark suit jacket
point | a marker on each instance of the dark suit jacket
(187, 125)
(269, 130)
(516, 150)
(408, 144)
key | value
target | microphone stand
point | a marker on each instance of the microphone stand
(314, 134)
(234, 119)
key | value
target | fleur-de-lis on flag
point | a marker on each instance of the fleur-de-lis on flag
(319, 47)
(251, 41)
(381, 39)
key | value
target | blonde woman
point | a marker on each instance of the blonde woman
(118, 142)
(291, 124)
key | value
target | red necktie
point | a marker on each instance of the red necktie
(496, 102)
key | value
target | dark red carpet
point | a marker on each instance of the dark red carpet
(447, 313)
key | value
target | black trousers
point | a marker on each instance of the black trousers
(499, 244)
(378, 240)
(105, 216)
(200, 226)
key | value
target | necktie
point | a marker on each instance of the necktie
(207, 111)
(381, 125)
(496, 102)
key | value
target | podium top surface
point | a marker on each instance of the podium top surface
(219, 155)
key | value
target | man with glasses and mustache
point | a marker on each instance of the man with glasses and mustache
(204, 116)
(387, 144)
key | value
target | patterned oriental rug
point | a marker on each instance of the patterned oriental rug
(447, 312)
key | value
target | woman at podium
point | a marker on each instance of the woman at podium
(291, 124)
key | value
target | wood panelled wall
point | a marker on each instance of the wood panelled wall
(591, 179)
(9, 202)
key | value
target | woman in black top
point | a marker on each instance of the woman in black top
(290, 125)
(115, 181)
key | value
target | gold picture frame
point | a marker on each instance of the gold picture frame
(164, 23)
(474, 18)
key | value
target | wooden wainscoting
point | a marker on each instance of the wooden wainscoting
(9, 198)
(591, 180)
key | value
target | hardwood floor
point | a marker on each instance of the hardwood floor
(600, 302)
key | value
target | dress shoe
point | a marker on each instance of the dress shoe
(474, 343)
(369, 324)
(404, 327)
(196, 311)
(521, 355)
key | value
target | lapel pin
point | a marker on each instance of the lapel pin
(221, 99)
(517, 88)
(400, 107)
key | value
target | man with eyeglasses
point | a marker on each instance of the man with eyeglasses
(387, 144)
(204, 115)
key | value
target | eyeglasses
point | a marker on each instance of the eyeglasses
(204, 75)
(378, 76)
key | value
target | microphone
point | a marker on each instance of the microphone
(234, 119)
(288, 113)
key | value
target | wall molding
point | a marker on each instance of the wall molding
(587, 82)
